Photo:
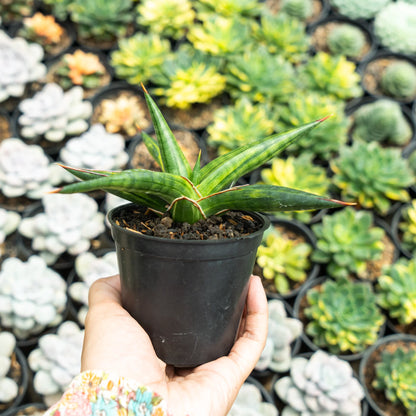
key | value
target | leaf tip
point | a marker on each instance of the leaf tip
(325, 118)
(144, 88)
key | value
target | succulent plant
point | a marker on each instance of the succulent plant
(123, 114)
(96, 147)
(54, 114)
(399, 80)
(102, 20)
(67, 224)
(343, 316)
(89, 268)
(25, 170)
(331, 75)
(56, 361)
(282, 332)
(283, 260)
(15, 9)
(249, 402)
(227, 8)
(190, 194)
(220, 36)
(80, 68)
(239, 124)
(9, 221)
(372, 175)
(356, 9)
(140, 56)
(32, 296)
(43, 30)
(346, 39)
(300, 9)
(260, 76)
(9, 389)
(394, 27)
(282, 35)
(20, 64)
(396, 376)
(396, 290)
(168, 18)
(408, 226)
(299, 173)
(187, 78)
(324, 142)
(381, 121)
(59, 8)
(347, 240)
(320, 385)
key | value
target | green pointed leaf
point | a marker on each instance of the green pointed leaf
(265, 198)
(226, 169)
(174, 161)
(197, 169)
(153, 148)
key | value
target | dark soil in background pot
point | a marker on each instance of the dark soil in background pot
(232, 224)
(5, 126)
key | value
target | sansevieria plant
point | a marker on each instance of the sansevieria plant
(193, 194)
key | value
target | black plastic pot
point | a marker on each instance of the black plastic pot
(364, 365)
(188, 295)
(397, 218)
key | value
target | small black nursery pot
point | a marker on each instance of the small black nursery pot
(188, 295)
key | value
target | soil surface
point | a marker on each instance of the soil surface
(232, 224)
(5, 129)
(389, 408)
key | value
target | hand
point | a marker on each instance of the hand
(115, 342)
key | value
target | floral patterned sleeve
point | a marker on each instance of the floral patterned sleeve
(98, 393)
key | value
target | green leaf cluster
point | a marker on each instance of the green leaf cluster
(283, 260)
(190, 194)
(347, 240)
(59, 8)
(238, 124)
(300, 9)
(396, 290)
(102, 20)
(344, 316)
(168, 18)
(346, 39)
(15, 9)
(408, 226)
(372, 175)
(228, 8)
(358, 9)
(396, 376)
(399, 80)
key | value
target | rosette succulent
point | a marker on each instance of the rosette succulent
(20, 64)
(238, 124)
(102, 20)
(140, 56)
(372, 175)
(299, 173)
(9, 389)
(320, 385)
(347, 241)
(9, 221)
(381, 121)
(331, 75)
(96, 147)
(395, 29)
(89, 268)
(346, 39)
(399, 80)
(14, 9)
(343, 316)
(68, 224)
(32, 296)
(325, 142)
(187, 78)
(189, 195)
(283, 260)
(396, 377)
(25, 170)
(396, 290)
(59, 8)
(227, 8)
(300, 9)
(56, 361)
(54, 114)
(407, 226)
(168, 18)
(260, 76)
(282, 35)
(282, 332)
(357, 9)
